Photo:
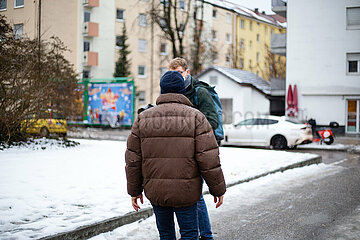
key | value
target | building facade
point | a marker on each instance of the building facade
(324, 62)
(233, 36)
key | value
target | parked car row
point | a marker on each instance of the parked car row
(267, 131)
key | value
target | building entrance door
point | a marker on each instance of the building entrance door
(353, 116)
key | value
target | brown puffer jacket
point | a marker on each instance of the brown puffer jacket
(171, 146)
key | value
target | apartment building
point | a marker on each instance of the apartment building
(242, 37)
(85, 26)
(324, 62)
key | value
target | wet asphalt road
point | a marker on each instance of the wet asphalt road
(325, 205)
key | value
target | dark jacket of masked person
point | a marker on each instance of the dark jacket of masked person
(205, 103)
(170, 149)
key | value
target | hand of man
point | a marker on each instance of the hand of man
(218, 201)
(135, 205)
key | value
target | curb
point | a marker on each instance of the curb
(325, 149)
(107, 225)
(92, 230)
(310, 161)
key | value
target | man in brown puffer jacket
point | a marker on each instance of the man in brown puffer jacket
(170, 149)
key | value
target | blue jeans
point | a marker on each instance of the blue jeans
(203, 218)
(186, 217)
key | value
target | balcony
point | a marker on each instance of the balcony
(91, 3)
(279, 7)
(91, 29)
(90, 59)
(278, 44)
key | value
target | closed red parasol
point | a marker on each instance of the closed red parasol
(295, 100)
(289, 101)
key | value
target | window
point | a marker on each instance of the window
(260, 121)
(3, 4)
(250, 63)
(120, 14)
(242, 24)
(242, 43)
(214, 56)
(18, 30)
(265, 30)
(86, 46)
(182, 28)
(182, 4)
(119, 41)
(227, 58)
(141, 71)
(246, 122)
(241, 63)
(258, 37)
(19, 3)
(250, 44)
(272, 31)
(142, 45)
(166, 2)
(142, 20)
(142, 97)
(214, 35)
(87, 16)
(213, 80)
(228, 38)
(228, 17)
(163, 24)
(86, 74)
(250, 26)
(163, 71)
(257, 57)
(214, 13)
(353, 63)
(353, 18)
(163, 49)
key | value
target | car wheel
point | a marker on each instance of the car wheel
(279, 142)
(44, 132)
(329, 140)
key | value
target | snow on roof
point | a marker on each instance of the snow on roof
(244, 77)
(270, 19)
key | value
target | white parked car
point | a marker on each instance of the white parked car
(269, 131)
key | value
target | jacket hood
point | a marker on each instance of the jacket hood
(173, 98)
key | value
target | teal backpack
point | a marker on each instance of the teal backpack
(219, 132)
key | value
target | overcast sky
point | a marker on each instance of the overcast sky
(263, 5)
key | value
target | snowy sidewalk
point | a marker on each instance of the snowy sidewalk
(45, 192)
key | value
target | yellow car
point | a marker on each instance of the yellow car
(45, 124)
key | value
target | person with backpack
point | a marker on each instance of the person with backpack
(170, 149)
(198, 94)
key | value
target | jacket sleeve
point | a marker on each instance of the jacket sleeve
(207, 157)
(207, 107)
(133, 160)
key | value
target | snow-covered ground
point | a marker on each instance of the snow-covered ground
(255, 191)
(52, 190)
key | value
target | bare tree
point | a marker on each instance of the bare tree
(198, 47)
(276, 67)
(32, 79)
(172, 22)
